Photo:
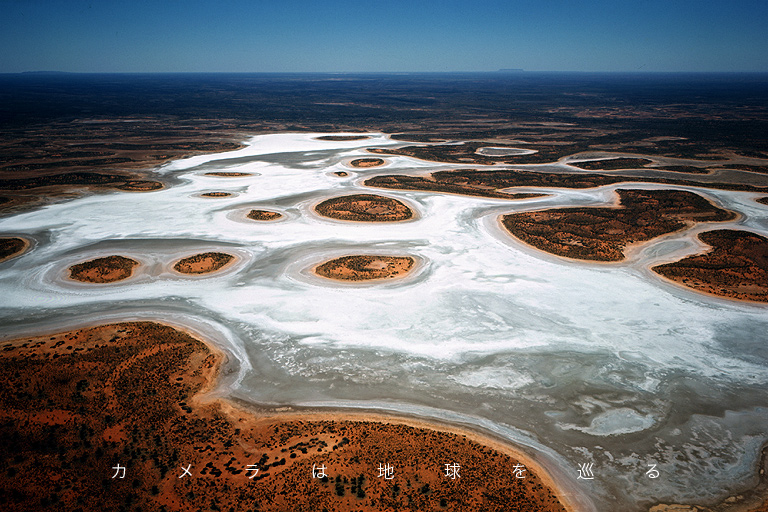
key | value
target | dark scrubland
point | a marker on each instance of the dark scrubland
(103, 270)
(736, 266)
(203, 263)
(490, 183)
(365, 267)
(602, 234)
(364, 208)
(263, 215)
(9, 247)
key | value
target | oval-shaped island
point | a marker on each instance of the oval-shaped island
(367, 267)
(364, 208)
(103, 270)
(203, 263)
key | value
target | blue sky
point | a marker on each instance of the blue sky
(393, 35)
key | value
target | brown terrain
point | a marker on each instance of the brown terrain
(203, 263)
(763, 200)
(263, 215)
(103, 270)
(466, 153)
(365, 267)
(367, 162)
(364, 208)
(342, 137)
(10, 247)
(341, 174)
(78, 406)
(216, 194)
(226, 174)
(447, 183)
(98, 153)
(602, 234)
(736, 267)
(612, 164)
(489, 183)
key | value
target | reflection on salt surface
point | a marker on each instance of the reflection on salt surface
(601, 363)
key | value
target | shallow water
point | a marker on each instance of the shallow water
(582, 362)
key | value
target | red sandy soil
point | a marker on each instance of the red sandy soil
(367, 162)
(341, 173)
(365, 267)
(342, 137)
(225, 174)
(216, 194)
(263, 215)
(103, 270)
(736, 266)
(602, 234)
(364, 208)
(10, 247)
(77, 405)
(203, 263)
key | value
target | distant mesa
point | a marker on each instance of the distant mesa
(364, 208)
(341, 174)
(264, 215)
(10, 247)
(367, 162)
(342, 137)
(736, 267)
(602, 234)
(365, 267)
(216, 194)
(226, 174)
(103, 270)
(203, 263)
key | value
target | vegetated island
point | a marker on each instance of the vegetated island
(264, 215)
(342, 137)
(365, 267)
(367, 162)
(736, 266)
(10, 247)
(228, 174)
(364, 208)
(110, 417)
(103, 270)
(612, 164)
(449, 184)
(762, 200)
(602, 233)
(203, 263)
(341, 174)
(216, 194)
(489, 183)
(467, 153)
